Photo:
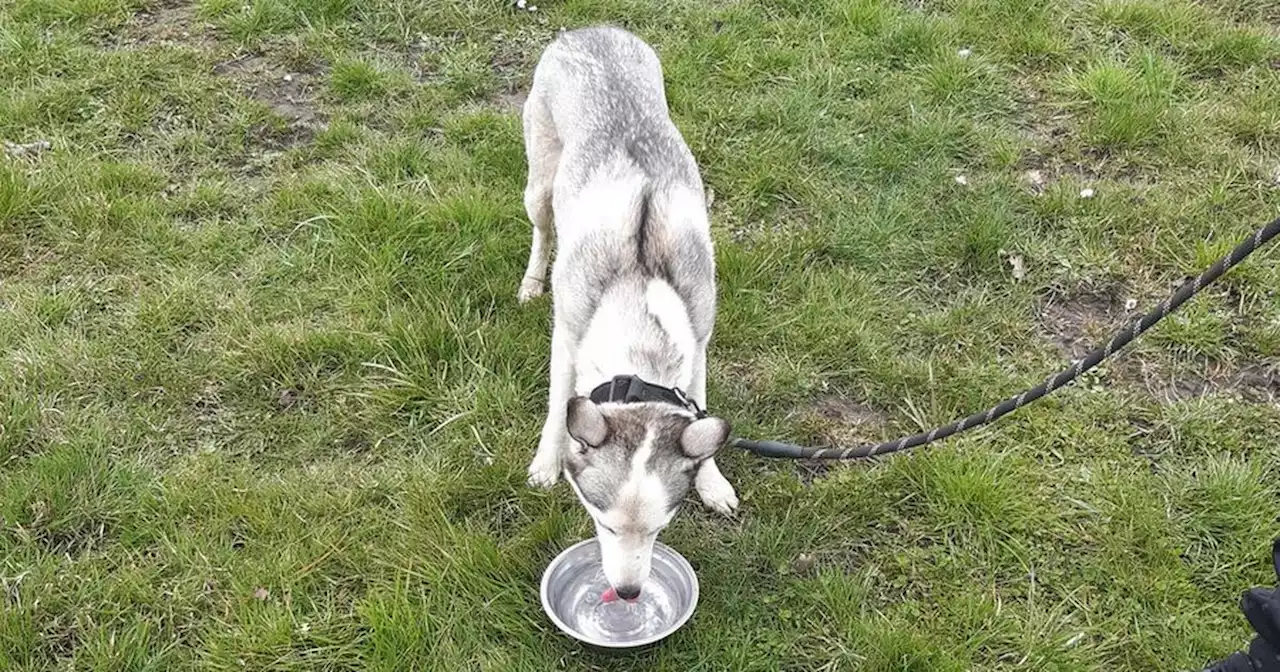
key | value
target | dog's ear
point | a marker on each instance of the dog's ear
(586, 422)
(703, 437)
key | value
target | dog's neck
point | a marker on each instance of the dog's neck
(653, 367)
(654, 343)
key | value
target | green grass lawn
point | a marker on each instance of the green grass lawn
(267, 398)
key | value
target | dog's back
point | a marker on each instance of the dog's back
(627, 195)
(602, 88)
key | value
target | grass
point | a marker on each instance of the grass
(266, 397)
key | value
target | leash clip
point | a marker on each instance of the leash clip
(689, 403)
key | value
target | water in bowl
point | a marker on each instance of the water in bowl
(620, 621)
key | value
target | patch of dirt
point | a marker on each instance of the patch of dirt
(838, 421)
(1252, 383)
(1044, 164)
(166, 24)
(778, 214)
(859, 553)
(1077, 321)
(292, 96)
(1035, 180)
(511, 100)
(511, 60)
(1051, 156)
(288, 398)
(355, 442)
(1244, 12)
(847, 411)
(514, 56)
(423, 55)
(1080, 321)
(809, 471)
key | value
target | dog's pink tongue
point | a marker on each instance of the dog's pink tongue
(611, 595)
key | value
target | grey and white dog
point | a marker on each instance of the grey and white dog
(633, 292)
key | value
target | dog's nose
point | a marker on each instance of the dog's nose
(628, 592)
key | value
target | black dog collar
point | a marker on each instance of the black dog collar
(629, 389)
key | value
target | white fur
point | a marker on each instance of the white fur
(662, 302)
(591, 180)
(626, 546)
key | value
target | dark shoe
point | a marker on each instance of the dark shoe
(1238, 662)
(1262, 607)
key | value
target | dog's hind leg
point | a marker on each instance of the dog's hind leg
(542, 148)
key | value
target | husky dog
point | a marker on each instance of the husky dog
(634, 295)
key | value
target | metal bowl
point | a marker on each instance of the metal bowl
(574, 583)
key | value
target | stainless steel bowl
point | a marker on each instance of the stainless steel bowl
(574, 583)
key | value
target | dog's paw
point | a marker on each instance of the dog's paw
(543, 473)
(530, 289)
(718, 495)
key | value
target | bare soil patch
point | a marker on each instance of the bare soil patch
(292, 96)
(172, 23)
(1077, 322)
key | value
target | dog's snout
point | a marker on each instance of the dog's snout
(628, 592)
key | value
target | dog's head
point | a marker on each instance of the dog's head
(631, 465)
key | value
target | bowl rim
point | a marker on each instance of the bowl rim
(675, 625)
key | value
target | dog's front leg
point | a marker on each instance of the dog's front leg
(545, 468)
(714, 489)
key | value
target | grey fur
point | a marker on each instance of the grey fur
(633, 280)
(599, 471)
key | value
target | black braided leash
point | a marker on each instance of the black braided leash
(1058, 380)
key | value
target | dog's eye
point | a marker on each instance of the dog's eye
(608, 529)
